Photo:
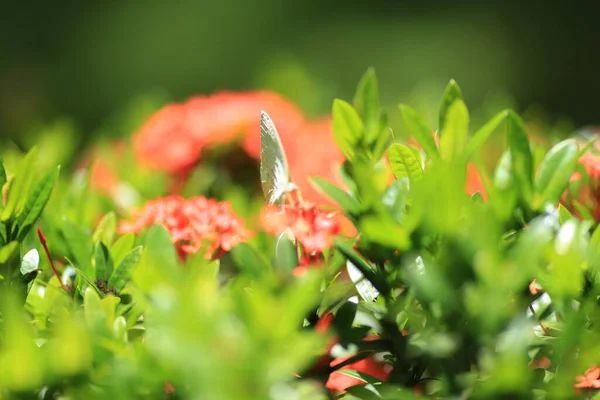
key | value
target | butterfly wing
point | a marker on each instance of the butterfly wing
(274, 171)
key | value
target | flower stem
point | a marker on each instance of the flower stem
(56, 273)
(539, 322)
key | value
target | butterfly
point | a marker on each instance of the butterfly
(274, 171)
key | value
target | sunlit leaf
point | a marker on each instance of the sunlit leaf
(454, 135)
(35, 204)
(350, 204)
(366, 103)
(451, 94)
(122, 273)
(420, 131)
(347, 127)
(555, 171)
(404, 163)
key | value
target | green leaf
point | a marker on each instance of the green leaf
(105, 232)
(555, 171)
(286, 258)
(520, 151)
(104, 263)
(404, 163)
(122, 247)
(396, 197)
(420, 131)
(35, 204)
(3, 178)
(451, 94)
(344, 317)
(366, 103)
(361, 265)
(347, 128)
(250, 261)
(19, 186)
(361, 376)
(456, 130)
(344, 199)
(364, 392)
(122, 274)
(80, 245)
(8, 251)
(159, 263)
(482, 135)
(564, 214)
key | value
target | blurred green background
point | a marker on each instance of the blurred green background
(87, 60)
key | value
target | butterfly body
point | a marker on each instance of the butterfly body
(274, 170)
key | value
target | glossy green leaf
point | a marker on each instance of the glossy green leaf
(286, 257)
(350, 204)
(522, 159)
(90, 282)
(107, 227)
(8, 251)
(420, 131)
(104, 263)
(248, 260)
(456, 129)
(361, 376)
(555, 171)
(3, 178)
(35, 204)
(563, 214)
(395, 198)
(80, 245)
(366, 103)
(481, 136)
(404, 163)
(451, 94)
(347, 128)
(19, 186)
(122, 247)
(122, 273)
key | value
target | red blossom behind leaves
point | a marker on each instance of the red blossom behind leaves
(337, 381)
(587, 193)
(312, 227)
(194, 224)
(173, 138)
(590, 379)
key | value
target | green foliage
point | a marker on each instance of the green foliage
(434, 293)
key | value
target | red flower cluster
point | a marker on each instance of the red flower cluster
(305, 223)
(590, 380)
(585, 193)
(194, 224)
(173, 138)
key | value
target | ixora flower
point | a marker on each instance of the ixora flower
(194, 224)
(590, 379)
(585, 190)
(173, 138)
(312, 227)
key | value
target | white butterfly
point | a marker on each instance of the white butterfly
(274, 170)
